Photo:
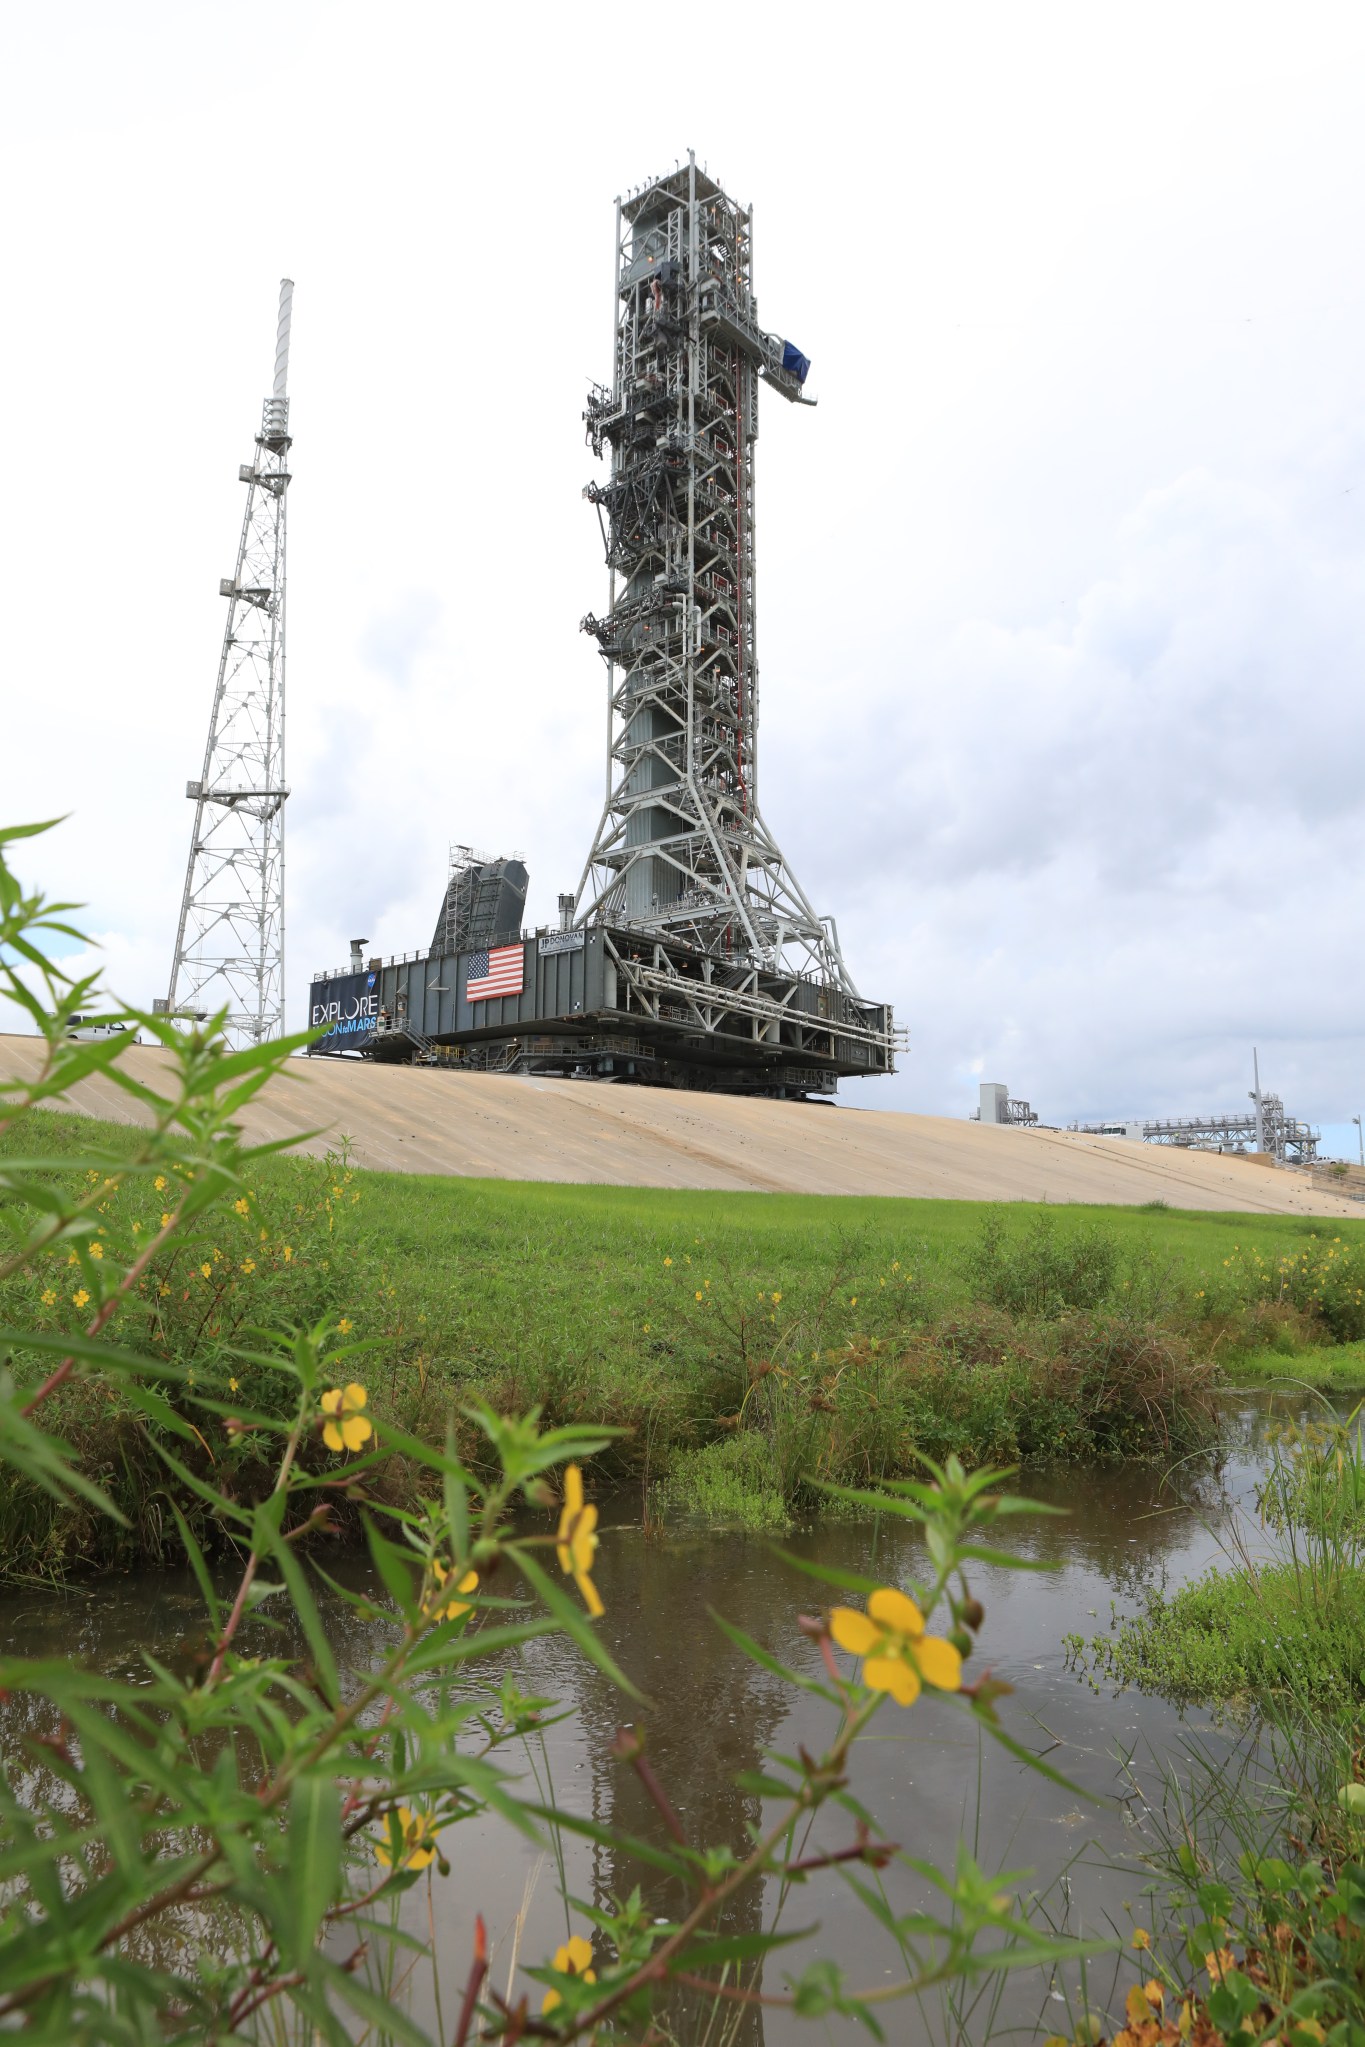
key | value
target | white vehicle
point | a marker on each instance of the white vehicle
(101, 1027)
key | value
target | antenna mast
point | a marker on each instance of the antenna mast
(229, 948)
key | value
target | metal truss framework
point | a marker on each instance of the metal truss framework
(229, 947)
(718, 1000)
(682, 850)
(1272, 1130)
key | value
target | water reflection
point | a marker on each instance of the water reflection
(713, 1714)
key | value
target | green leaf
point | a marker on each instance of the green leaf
(451, 1644)
(313, 1850)
(1005, 1559)
(1032, 1761)
(876, 1503)
(737, 1947)
(829, 1574)
(575, 1623)
(395, 1567)
(199, 1567)
(305, 1606)
(110, 1357)
(386, 2020)
(456, 1494)
(10, 832)
(612, 1837)
(765, 1661)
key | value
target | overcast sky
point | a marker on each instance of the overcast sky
(1062, 587)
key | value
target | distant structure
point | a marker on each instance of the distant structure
(688, 956)
(1268, 1129)
(996, 1106)
(484, 903)
(229, 946)
(1272, 1132)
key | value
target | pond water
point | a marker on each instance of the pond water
(923, 1773)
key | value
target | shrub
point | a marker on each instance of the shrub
(1324, 1281)
(1042, 1270)
(731, 1483)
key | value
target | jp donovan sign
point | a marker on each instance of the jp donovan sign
(349, 1004)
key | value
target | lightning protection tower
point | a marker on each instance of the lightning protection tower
(682, 851)
(229, 949)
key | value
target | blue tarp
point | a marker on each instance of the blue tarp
(793, 360)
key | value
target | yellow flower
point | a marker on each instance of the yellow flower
(668, 1261)
(97, 1250)
(248, 1265)
(699, 1296)
(1141, 1937)
(49, 1297)
(206, 1269)
(574, 1959)
(80, 1298)
(469, 1583)
(163, 1290)
(348, 1428)
(165, 1219)
(853, 1301)
(232, 1385)
(243, 1207)
(415, 1851)
(160, 1183)
(288, 1254)
(577, 1539)
(345, 1325)
(898, 1657)
(777, 1300)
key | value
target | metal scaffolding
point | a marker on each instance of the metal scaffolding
(1268, 1130)
(682, 851)
(229, 947)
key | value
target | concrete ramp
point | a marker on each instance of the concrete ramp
(422, 1120)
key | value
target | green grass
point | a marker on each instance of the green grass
(1334, 1369)
(1234, 1636)
(1287, 1626)
(828, 1337)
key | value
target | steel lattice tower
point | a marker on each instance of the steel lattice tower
(229, 949)
(682, 850)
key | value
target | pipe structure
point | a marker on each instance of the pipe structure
(282, 337)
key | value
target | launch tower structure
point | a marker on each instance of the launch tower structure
(688, 956)
(682, 851)
(229, 947)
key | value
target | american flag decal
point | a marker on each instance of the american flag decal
(494, 973)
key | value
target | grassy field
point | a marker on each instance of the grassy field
(747, 1343)
(1337, 1369)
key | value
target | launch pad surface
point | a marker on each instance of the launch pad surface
(405, 1119)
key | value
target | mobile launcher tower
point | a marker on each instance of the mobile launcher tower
(689, 956)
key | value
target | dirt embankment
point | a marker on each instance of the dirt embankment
(417, 1120)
